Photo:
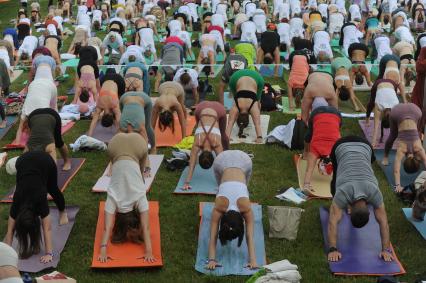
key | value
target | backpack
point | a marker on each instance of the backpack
(267, 100)
(299, 132)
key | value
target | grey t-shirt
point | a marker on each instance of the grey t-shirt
(355, 178)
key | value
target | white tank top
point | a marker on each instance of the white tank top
(233, 191)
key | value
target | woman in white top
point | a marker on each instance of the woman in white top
(296, 28)
(209, 136)
(126, 207)
(259, 18)
(322, 47)
(283, 30)
(27, 47)
(350, 34)
(248, 32)
(232, 214)
(145, 40)
(9, 272)
(382, 45)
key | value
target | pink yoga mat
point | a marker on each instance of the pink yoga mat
(368, 133)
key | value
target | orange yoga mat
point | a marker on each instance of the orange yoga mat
(127, 254)
(167, 138)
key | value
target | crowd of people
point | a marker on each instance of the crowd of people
(344, 37)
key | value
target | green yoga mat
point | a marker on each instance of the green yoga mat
(219, 57)
(72, 63)
(286, 108)
(190, 58)
(334, 43)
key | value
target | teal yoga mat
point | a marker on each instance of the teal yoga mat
(232, 258)
(419, 225)
(203, 182)
(11, 120)
(72, 63)
(228, 100)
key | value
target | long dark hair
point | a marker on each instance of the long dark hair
(231, 227)
(28, 232)
(165, 120)
(242, 122)
(127, 227)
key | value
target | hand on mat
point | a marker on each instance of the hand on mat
(186, 186)
(385, 161)
(46, 258)
(374, 144)
(252, 265)
(398, 188)
(148, 257)
(212, 264)
(259, 140)
(103, 257)
(386, 256)
(147, 172)
(334, 256)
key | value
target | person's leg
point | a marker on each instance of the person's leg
(212, 60)
(59, 143)
(290, 97)
(149, 131)
(221, 92)
(259, 56)
(157, 80)
(311, 162)
(55, 193)
(277, 60)
(181, 99)
(3, 122)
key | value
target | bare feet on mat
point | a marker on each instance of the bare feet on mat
(67, 166)
(3, 124)
(46, 258)
(63, 218)
(147, 172)
(334, 256)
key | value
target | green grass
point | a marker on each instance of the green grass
(273, 169)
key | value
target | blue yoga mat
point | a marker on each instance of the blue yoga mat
(11, 120)
(419, 225)
(232, 258)
(360, 248)
(203, 182)
(228, 100)
(268, 71)
(406, 178)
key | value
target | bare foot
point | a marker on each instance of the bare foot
(63, 218)
(67, 166)
(3, 124)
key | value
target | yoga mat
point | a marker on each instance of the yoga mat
(104, 134)
(60, 235)
(203, 182)
(219, 58)
(286, 107)
(64, 177)
(103, 182)
(11, 120)
(334, 42)
(168, 138)
(228, 100)
(368, 133)
(72, 63)
(128, 254)
(360, 248)
(216, 71)
(25, 136)
(232, 258)
(320, 183)
(419, 225)
(268, 71)
(406, 178)
(250, 131)
(16, 74)
(363, 87)
(190, 58)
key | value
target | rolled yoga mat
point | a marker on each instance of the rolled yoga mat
(102, 184)
(360, 248)
(419, 225)
(320, 183)
(233, 259)
(406, 179)
(203, 182)
(169, 138)
(129, 254)
(64, 177)
(60, 235)
(11, 120)
(250, 131)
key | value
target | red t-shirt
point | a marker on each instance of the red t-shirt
(174, 39)
(326, 131)
(218, 28)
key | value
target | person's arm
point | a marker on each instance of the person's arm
(249, 221)
(101, 60)
(95, 119)
(401, 87)
(154, 115)
(377, 115)
(233, 113)
(305, 107)
(182, 120)
(255, 115)
(380, 214)
(397, 170)
(108, 225)
(10, 231)
(117, 114)
(196, 95)
(77, 93)
(144, 219)
(393, 134)
(214, 227)
(121, 49)
(333, 221)
(192, 162)
(47, 233)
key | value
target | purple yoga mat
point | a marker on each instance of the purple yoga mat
(104, 134)
(60, 236)
(368, 133)
(360, 248)
(64, 177)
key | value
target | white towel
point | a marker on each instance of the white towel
(283, 134)
(281, 265)
(87, 142)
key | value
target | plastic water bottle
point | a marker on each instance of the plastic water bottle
(27, 278)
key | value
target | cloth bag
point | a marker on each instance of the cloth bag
(284, 221)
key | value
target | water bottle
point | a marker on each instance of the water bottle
(27, 278)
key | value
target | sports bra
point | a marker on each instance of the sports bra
(211, 130)
(245, 94)
(233, 191)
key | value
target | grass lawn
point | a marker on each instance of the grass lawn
(273, 169)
